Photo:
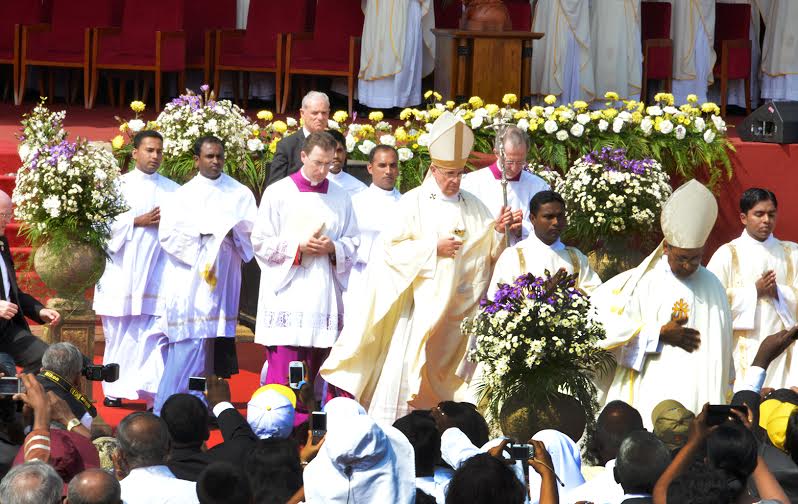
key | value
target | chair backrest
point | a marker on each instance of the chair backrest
(655, 20)
(336, 21)
(448, 17)
(142, 18)
(520, 14)
(267, 18)
(70, 19)
(202, 15)
(19, 12)
(732, 21)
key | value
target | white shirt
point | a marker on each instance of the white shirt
(346, 182)
(157, 485)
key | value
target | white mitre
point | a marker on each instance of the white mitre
(450, 142)
(688, 216)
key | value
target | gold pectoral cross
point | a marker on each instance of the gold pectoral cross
(680, 311)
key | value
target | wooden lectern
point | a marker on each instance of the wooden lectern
(487, 64)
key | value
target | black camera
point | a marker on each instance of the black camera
(106, 373)
(521, 451)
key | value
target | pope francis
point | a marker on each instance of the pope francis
(404, 349)
(668, 320)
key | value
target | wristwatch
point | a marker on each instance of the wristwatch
(72, 424)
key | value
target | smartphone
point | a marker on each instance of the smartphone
(196, 383)
(296, 374)
(10, 385)
(521, 451)
(318, 425)
(722, 413)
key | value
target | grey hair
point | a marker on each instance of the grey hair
(105, 491)
(513, 136)
(642, 458)
(143, 446)
(17, 487)
(315, 95)
(64, 359)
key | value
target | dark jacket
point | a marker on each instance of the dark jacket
(29, 306)
(286, 158)
(187, 462)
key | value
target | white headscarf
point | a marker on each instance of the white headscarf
(340, 410)
(361, 463)
(565, 460)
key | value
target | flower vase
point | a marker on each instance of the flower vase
(613, 257)
(523, 415)
(69, 269)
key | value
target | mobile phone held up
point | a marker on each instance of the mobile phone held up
(721, 413)
(196, 383)
(318, 425)
(296, 374)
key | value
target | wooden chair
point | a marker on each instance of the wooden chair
(14, 14)
(733, 49)
(201, 21)
(66, 41)
(144, 43)
(333, 49)
(261, 47)
(655, 27)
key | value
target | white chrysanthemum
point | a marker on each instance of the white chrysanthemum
(583, 119)
(603, 125)
(290, 121)
(332, 124)
(654, 110)
(550, 126)
(680, 132)
(476, 121)
(405, 154)
(665, 127)
(254, 145)
(617, 125)
(577, 130)
(366, 147)
(136, 125)
(388, 140)
(423, 139)
(562, 135)
(709, 136)
(646, 125)
(523, 124)
(350, 143)
(719, 123)
(699, 124)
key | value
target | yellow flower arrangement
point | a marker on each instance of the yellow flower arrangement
(376, 116)
(405, 114)
(280, 127)
(450, 104)
(491, 108)
(710, 108)
(550, 99)
(340, 116)
(609, 113)
(118, 142)
(400, 134)
(123, 127)
(265, 115)
(137, 106)
(611, 95)
(435, 113)
(509, 99)
(665, 98)
(476, 102)
(691, 98)
(521, 114)
(273, 146)
(580, 105)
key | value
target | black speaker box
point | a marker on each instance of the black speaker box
(773, 122)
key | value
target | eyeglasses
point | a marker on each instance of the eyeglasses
(517, 164)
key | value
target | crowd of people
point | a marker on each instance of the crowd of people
(367, 392)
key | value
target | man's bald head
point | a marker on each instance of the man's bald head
(143, 440)
(94, 486)
(614, 423)
(5, 211)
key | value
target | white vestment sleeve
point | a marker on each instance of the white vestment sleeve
(456, 448)
(346, 246)
(275, 252)
(121, 232)
(588, 278)
(742, 300)
(786, 305)
(177, 237)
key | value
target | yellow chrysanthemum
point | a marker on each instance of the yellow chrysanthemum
(368, 128)
(427, 94)
(637, 117)
(273, 146)
(550, 99)
(265, 115)
(521, 114)
(631, 105)
(137, 106)
(611, 95)
(475, 102)
(405, 114)
(152, 125)
(468, 115)
(340, 116)
(435, 113)
(450, 104)
(533, 125)
(376, 116)
(665, 98)
(710, 108)
(691, 98)
(609, 113)
(491, 108)
(579, 104)
(118, 142)
(437, 96)
(596, 115)
(255, 131)
(537, 110)
(123, 127)
(280, 127)
(509, 99)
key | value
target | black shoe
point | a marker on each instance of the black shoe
(112, 403)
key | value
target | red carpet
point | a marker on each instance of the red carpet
(250, 362)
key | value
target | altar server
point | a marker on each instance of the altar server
(404, 349)
(693, 34)
(616, 49)
(542, 250)
(522, 184)
(562, 65)
(780, 52)
(126, 296)
(759, 274)
(372, 209)
(397, 50)
(337, 175)
(668, 319)
(205, 233)
(305, 241)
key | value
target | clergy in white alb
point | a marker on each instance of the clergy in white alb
(668, 320)
(205, 233)
(543, 251)
(337, 175)
(693, 35)
(396, 51)
(126, 296)
(373, 207)
(305, 241)
(616, 48)
(522, 185)
(563, 65)
(780, 52)
(759, 274)
(404, 349)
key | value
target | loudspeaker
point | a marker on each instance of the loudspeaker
(773, 122)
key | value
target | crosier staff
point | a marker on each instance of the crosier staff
(501, 129)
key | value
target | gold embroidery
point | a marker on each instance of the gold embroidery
(209, 275)
(521, 260)
(735, 274)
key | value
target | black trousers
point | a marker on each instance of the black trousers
(25, 348)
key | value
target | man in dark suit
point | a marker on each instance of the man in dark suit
(15, 336)
(315, 113)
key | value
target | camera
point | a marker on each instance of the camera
(106, 373)
(521, 451)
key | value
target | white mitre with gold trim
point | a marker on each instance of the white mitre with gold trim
(450, 142)
(688, 216)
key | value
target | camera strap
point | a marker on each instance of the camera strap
(71, 389)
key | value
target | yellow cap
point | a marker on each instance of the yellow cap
(773, 417)
(280, 389)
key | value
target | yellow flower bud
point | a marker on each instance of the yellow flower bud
(118, 142)
(273, 146)
(435, 113)
(123, 127)
(437, 96)
(521, 114)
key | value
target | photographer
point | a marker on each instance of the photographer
(62, 367)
